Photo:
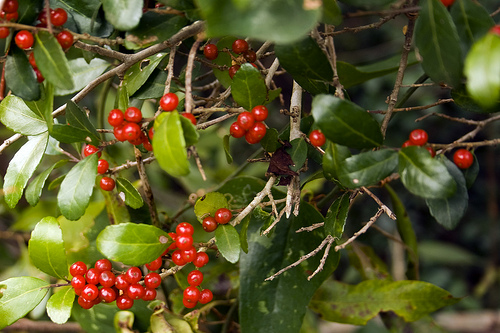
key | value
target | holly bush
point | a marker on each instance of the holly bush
(201, 112)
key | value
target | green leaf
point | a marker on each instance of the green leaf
(483, 72)
(34, 189)
(356, 304)
(97, 319)
(228, 242)
(337, 216)
(22, 166)
(169, 144)
(154, 86)
(334, 155)
(449, 211)
(248, 87)
(191, 135)
(18, 296)
(471, 173)
(82, 74)
(208, 204)
(280, 304)
(137, 75)
(78, 118)
(18, 117)
(51, 60)
(132, 196)
(225, 144)
(424, 175)
(20, 77)
(331, 12)
(45, 105)
(122, 14)
(244, 231)
(472, 21)
(224, 59)
(132, 244)
(448, 254)
(438, 43)
(298, 153)
(60, 304)
(69, 134)
(307, 63)
(462, 99)
(76, 188)
(290, 21)
(240, 191)
(122, 98)
(367, 168)
(346, 123)
(46, 248)
(270, 141)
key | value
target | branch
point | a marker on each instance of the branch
(150, 200)
(361, 231)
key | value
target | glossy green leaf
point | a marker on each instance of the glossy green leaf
(280, 304)
(208, 204)
(132, 196)
(169, 144)
(291, 19)
(334, 155)
(471, 19)
(240, 191)
(367, 168)
(228, 242)
(122, 14)
(298, 153)
(22, 166)
(154, 87)
(346, 123)
(471, 173)
(60, 304)
(82, 74)
(356, 304)
(76, 117)
(331, 12)
(438, 43)
(20, 77)
(34, 189)
(76, 188)
(45, 105)
(191, 135)
(244, 232)
(337, 216)
(46, 248)
(132, 244)
(270, 141)
(248, 87)
(136, 75)
(18, 296)
(449, 211)
(424, 175)
(51, 60)
(18, 117)
(483, 71)
(307, 63)
(224, 59)
(122, 98)
(97, 319)
(69, 134)
(225, 144)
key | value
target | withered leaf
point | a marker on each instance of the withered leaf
(280, 163)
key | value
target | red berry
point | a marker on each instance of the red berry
(65, 39)
(191, 294)
(189, 116)
(10, 6)
(447, 3)
(177, 258)
(91, 149)
(195, 278)
(24, 39)
(463, 158)
(85, 303)
(133, 275)
(236, 130)
(116, 117)
(10, 17)
(256, 133)
(39, 76)
(92, 276)
(185, 229)
(133, 114)
(155, 264)
(131, 131)
(223, 215)
(418, 137)
(149, 294)
(233, 69)
(152, 280)
(188, 304)
(184, 242)
(317, 138)
(188, 254)
(495, 30)
(407, 143)
(31, 59)
(107, 183)
(246, 120)
(209, 224)
(119, 134)
(107, 294)
(139, 140)
(102, 167)
(78, 282)
(124, 302)
(210, 51)
(135, 291)
(90, 292)
(4, 32)
(169, 102)
(148, 146)
(58, 17)
(206, 296)
(260, 113)
(172, 246)
(78, 291)
(78, 268)
(240, 46)
(250, 56)
(431, 151)
(201, 259)
(42, 17)
(151, 133)
(107, 279)
(121, 282)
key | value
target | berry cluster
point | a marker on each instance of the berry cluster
(100, 284)
(250, 125)
(239, 47)
(8, 13)
(126, 127)
(222, 216)
(317, 138)
(419, 137)
(106, 183)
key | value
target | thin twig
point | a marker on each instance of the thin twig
(322, 262)
(150, 200)
(416, 108)
(311, 227)
(361, 231)
(380, 203)
(188, 102)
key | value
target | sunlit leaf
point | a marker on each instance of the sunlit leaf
(132, 196)
(228, 242)
(122, 14)
(60, 304)
(18, 117)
